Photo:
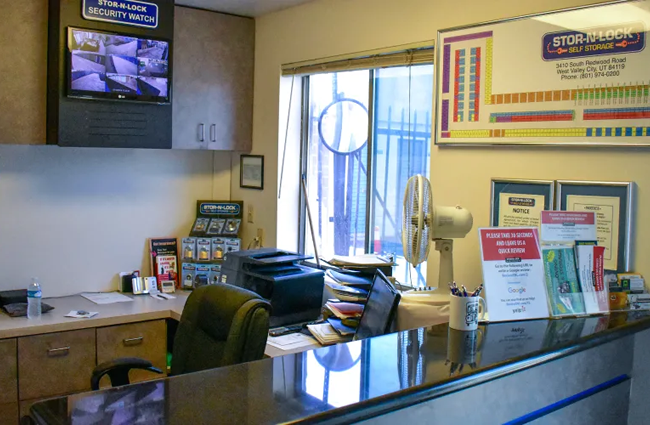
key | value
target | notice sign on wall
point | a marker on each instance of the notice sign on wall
(513, 273)
(126, 12)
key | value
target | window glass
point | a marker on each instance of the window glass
(401, 149)
(336, 165)
(337, 155)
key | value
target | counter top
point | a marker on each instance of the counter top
(141, 309)
(347, 382)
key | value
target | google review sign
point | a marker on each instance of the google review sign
(606, 40)
(126, 12)
(513, 273)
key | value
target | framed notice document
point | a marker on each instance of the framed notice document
(572, 77)
(613, 203)
(519, 203)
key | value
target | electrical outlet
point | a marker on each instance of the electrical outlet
(250, 217)
(260, 236)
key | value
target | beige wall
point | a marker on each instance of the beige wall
(459, 175)
(75, 217)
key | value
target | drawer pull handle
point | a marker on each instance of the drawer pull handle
(133, 341)
(201, 132)
(57, 351)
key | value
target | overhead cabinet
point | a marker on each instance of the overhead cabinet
(212, 94)
(23, 71)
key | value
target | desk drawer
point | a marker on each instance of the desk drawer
(56, 363)
(146, 340)
(8, 372)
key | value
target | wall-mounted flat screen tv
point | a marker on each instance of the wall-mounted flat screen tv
(106, 65)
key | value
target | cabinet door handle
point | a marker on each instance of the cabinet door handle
(213, 133)
(133, 341)
(201, 132)
(58, 351)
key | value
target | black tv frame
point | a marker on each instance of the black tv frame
(119, 97)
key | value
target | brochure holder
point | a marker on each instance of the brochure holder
(578, 303)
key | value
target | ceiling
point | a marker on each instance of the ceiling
(242, 7)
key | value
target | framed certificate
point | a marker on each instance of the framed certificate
(613, 203)
(519, 203)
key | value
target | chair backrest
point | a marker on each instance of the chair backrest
(221, 325)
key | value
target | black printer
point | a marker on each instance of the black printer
(295, 291)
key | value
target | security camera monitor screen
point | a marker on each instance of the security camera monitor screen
(112, 66)
(380, 309)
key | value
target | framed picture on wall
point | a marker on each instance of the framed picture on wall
(519, 203)
(613, 203)
(251, 171)
(572, 79)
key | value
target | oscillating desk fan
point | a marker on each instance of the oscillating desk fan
(422, 223)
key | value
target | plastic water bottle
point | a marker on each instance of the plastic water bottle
(34, 295)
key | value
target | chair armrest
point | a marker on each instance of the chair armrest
(118, 371)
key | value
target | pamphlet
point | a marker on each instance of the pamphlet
(565, 296)
(591, 275)
(513, 273)
(164, 259)
(568, 226)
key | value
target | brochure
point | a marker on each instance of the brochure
(568, 226)
(513, 273)
(591, 275)
(164, 259)
(565, 296)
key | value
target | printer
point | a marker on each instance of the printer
(295, 291)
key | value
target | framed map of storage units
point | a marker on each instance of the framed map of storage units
(577, 77)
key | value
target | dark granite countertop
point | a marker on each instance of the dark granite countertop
(346, 382)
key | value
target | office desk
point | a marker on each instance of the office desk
(143, 308)
(578, 371)
(24, 343)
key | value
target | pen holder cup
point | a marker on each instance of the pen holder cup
(465, 312)
(463, 347)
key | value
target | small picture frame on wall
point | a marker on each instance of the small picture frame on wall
(519, 202)
(251, 171)
(613, 203)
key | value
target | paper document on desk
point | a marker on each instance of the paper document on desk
(326, 335)
(291, 341)
(367, 260)
(106, 297)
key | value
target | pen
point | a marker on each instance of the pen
(464, 290)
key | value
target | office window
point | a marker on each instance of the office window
(366, 132)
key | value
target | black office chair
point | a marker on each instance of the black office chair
(221, 325)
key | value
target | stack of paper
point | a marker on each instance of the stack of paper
(291, 341)
(106, 297)
(346, 293)
(326, 335)
(342, 310)
(365, 260)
